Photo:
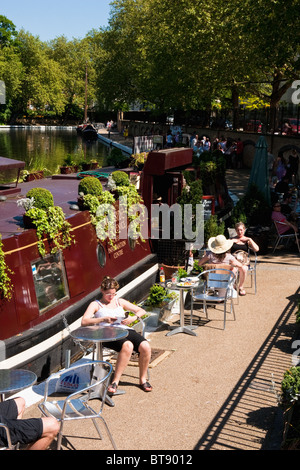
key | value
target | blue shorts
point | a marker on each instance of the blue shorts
(24, 431)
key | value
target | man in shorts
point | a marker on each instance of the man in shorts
(38, 433)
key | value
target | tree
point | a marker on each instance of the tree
(8, 32)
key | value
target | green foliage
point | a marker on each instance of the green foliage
(212, 228)
(115, 157)
(6, 287)
(43, 198)
(91, 202)
(182, 273)
(52, 224)
(90, 185)
(290, 386)
(68, 161)
(120, 178)
(191, 194)
(159, 296)
(197, 267)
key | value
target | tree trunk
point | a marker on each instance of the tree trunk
(235, 106)
(279, 87)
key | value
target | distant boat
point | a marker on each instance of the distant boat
(87, 132)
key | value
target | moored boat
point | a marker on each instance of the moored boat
(87, 132)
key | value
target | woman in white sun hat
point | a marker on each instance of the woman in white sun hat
(219, 253)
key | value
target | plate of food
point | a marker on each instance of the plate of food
(185, 283)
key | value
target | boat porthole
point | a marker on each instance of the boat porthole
(101, 255)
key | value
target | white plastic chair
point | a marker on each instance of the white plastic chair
(284, 238)
(218, 287)
(9, 445)
(75, 406)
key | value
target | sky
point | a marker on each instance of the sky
(50, 19)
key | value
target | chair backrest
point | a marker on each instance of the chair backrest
(82, 378)
(220, 279)
(218, 267)
(9, 445)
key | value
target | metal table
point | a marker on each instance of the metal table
(183, 328)
(13, 380)
(98, 335)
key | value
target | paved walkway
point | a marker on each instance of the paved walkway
(217, 390)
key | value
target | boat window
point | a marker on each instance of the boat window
(50, 281)
(101, 255)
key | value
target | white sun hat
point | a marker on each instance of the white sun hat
(219, 244)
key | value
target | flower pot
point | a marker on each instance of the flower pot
(169, 270)
(34, 176)
(66, 170)
(86, 166)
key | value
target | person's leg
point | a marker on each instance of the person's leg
(20, 402)
(122, 361)
(144, 360)
(243, 273)
(50, 430)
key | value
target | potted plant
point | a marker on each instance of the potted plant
(47, 219)
(67, 166)
(94, 164)
(88, 185)
(173, 264)
(33, 175)
(159, 303)
(197, 269)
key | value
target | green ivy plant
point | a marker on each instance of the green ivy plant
(6, 287)
(51, 223)
(159, 296)
(290, 386)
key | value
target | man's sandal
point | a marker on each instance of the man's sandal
(112, 388)
(146, 387)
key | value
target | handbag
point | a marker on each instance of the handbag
(242, 257)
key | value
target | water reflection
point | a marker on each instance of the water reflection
(47, 148)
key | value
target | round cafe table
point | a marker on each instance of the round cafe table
(16, 379)
(99, 335)
(183, 328)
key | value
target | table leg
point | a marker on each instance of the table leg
(108, 400)
(182, 328)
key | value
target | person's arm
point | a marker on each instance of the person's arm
(136, 309)
(252, 244)
(89, 318)
(203, 260)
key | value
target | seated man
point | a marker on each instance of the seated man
(38, 433)
(277, 216)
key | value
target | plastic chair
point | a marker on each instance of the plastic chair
(283, 237)
(9, 445)
(75, 406)
(217, 285)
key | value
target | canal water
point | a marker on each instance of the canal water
(45, 148)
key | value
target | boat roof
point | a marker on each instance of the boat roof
(64, 189)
